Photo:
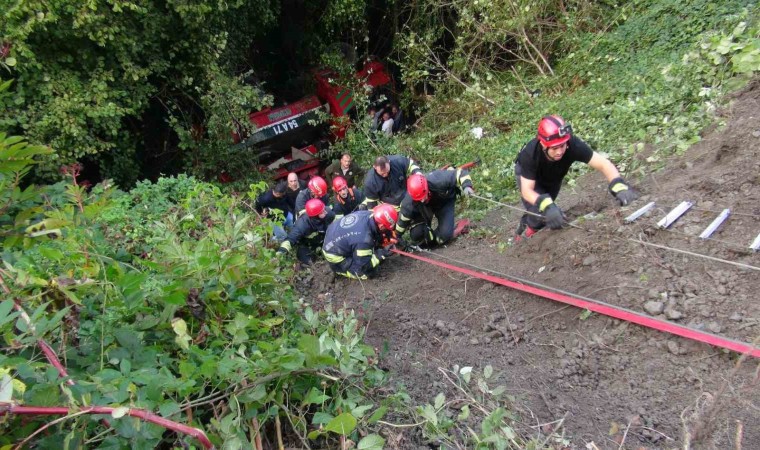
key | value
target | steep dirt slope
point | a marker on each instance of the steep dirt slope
(600, 374)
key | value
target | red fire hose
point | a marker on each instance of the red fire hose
(603, 308)
(6, 408)
(134, 412)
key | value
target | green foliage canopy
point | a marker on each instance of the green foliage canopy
(85, 72)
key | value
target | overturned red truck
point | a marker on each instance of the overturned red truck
(289, 138)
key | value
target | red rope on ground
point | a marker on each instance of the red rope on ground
(603, 308)
(139, 413)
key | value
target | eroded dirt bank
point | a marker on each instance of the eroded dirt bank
(603, 375)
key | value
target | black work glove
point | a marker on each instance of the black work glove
(551, 212)
(622, 191)
(402, 244)
(382, 253)
(553, 217)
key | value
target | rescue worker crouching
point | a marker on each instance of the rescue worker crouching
(353, 244)
(316, 188)
(308, 232)
(386, 183)
(428, 196)
(347, 199)
(543, 163)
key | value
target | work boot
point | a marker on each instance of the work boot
(523, 230)
(462, 227)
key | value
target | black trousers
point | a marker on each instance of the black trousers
(529, 219)
(308, 249)
(419, 231)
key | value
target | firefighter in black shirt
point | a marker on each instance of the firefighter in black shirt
(308, 233)
(543, 163)
(354, 244)
(386, 183)
(428, 196)
(347, 199)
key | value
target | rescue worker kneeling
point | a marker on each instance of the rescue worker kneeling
(431, 196)
(308, 232)
(353, 244)
(316, 189)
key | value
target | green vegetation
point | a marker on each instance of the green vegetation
(201, 327)
(168, 297)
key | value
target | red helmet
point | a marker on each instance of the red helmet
(317, 186)
(553, 131)
(339, 183)
(417, 186)
(385, 215)
(314, 207)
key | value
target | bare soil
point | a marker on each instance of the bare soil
(607, 378)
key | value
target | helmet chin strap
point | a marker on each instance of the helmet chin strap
(546, 153)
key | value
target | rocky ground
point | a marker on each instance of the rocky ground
(611, 381)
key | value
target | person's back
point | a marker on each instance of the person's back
(447, 184)
(353, 244)
(349, 244)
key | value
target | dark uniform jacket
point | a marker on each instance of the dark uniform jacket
(354, 175)
(309, 231)
(350, 245)
(303, 197)
(443, 185)
(393, 188)
(268, 200)
(343, 206)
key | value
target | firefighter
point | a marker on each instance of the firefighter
(354, 244)
(308, 233)
(344, 167)
(386, 183)
(543, 163)
(347, 200)
(428, 196)
(316, 188)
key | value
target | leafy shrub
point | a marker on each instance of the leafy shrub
(198, 324)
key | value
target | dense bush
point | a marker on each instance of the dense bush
(86, 72)
(165, 299)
